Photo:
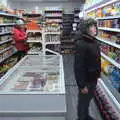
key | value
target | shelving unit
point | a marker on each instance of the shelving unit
(6, 24)
(15, 51)
(53, 15)
(34, 53)
(38, 18)
(34, 31)
(67, 28)
(45, 42)
(2, 51)
(111, 60)
(5, 41)
(50, 41)
(107, 94)
(10, 15)
(76, 15)
(107, 18)
(109, 29)
(52, 33)
(100, 5)
(52, 30)
(47, 31)
(5, 33)
(35, 40)
(109, 42)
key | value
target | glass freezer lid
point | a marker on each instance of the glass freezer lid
(32, 81)
(36, 60)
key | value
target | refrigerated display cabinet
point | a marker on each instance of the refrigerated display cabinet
(45, 60)
(36, 91)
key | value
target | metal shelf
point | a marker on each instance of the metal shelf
(8, 56)
(34, 31)
(67, 47)
(100, 5)
(53, 33)
(111, 88)
(10, 15)
(32, 15)
(7, 24)
(109, 42)
(5, 33)
(112, 95)
(109, 29)
(110, 60)
(60, 10)
(5, 49)
(108, 17)
(53, 16)
(34, 41)
(60, 22)
(5, 41)
(33, 53)
(67, 41)
(50, 43)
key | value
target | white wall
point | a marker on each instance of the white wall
(67, 6)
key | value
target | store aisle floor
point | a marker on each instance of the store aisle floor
(71, 87)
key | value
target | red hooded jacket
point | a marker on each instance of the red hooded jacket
(19, 36)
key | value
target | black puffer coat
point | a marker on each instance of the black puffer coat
(87, 64)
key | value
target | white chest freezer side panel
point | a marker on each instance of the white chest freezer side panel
(32, 118)
(32, 104)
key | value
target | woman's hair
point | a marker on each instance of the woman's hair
(84, 24)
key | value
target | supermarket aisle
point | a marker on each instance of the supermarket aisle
(71, 87)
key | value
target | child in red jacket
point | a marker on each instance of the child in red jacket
(20, 39)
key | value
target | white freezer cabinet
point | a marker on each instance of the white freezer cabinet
(42, 60)
(35, 94)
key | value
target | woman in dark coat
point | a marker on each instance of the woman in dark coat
(87, 65)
